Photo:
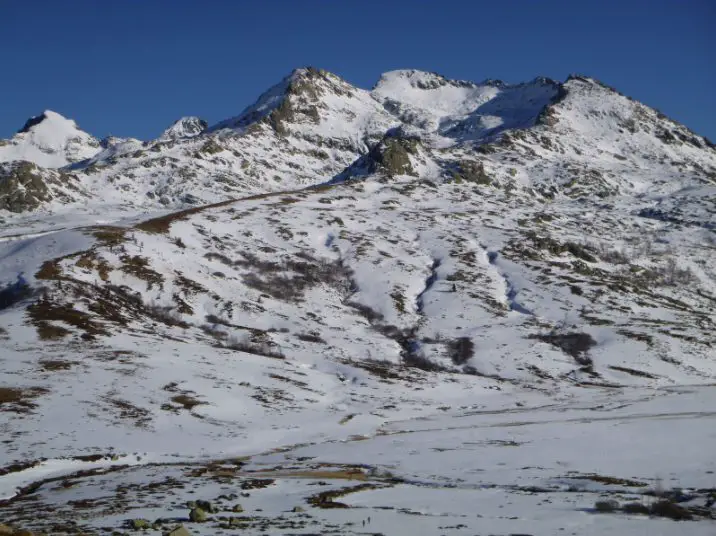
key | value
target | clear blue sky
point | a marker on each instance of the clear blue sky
(131, 67)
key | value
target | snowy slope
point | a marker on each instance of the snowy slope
(436, 306)
(459, 111)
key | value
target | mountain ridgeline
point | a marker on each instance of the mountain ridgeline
(314, 128)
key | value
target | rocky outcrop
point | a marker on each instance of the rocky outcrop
(22, 187)
(392, 156)
(26, 186)
(470, 171)
(186, 127)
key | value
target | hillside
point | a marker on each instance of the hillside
(372, 309)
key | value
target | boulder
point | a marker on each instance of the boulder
(197, 515)
(178, 531)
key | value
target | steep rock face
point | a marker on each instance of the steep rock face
(49, 140)
(396, 154)
(311, 102)
(22, 186)
(25, 186)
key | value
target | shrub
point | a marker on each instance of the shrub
(279, 287)
(262, 348)
(223, 259)
(671, 510)
(371, 315)
(311, 337)
(166, 315)
(214, 319)
(461, 350)
(606, 506)
(573, 343)
(635, 508)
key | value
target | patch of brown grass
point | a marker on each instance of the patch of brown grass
(129, 411)
(50, 332)
(90, 261)
(19, 400)
(43, 312)
(325, 499)
(49, 270)
(162, 224)
(346, 474)
(611, 480)
(138, 266)
(54, 365)
(109, 236)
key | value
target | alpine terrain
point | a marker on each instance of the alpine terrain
(434, 307)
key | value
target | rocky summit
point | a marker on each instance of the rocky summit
(431, 307)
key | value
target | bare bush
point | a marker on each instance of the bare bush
(213, 319)
(313, 336)
(279, 287)
(371, 315)
(574, 344)
(262, 348)
(611, 255)
(461, 350)
(214, 331)
(223, 259)
(673, 275)
(165, 314)
(289, 279)
(606, 506)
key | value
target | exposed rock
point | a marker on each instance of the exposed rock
(197, 515)
(391, 156)
(33, 121)
(186, 127)
(179, 531)
(206, 506)
(140, 524)
(470, 171)
(22, 187)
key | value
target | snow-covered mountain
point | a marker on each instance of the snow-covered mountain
(313, 127)
(456, 293)
(49, 140)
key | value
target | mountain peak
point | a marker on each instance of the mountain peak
(417, 79)
(46, 117)
(299, 92)
(49, 140)
(186, 127)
